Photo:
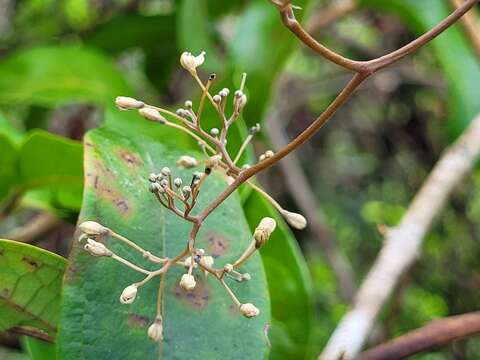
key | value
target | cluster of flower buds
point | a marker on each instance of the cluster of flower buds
(266, 155)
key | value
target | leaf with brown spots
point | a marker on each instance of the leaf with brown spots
(30, 287)
(197, 325)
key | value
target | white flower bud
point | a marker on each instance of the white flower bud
(295, 220)
(154, 187)
(246, 277)
(187, 162)
(214, 131)
(152, 114)
(249, 310)
(186, 190)
(240, 102)
(152, 178)
(177, 182)
(262, 157)
(182, 113)
(187, 282)
(269, 154)
(228, 268)
(129, 294)
(128, 103)
(93, 228)
(155, 331)
(165, 171)
(206, 261)
(190, 62)
(263, 231)
(217, 99)
(96, 248)
(230, 180)
(224, 92)
(213, 161)
(189, 261)
(188, 104)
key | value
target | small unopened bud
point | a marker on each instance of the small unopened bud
(213, 161)
(246, 277)
(190, 62)
(164, 183)
(129, 294)
(254, 129)
(262, 157)
(152, 178)
(269, 154)
(263, 231)
(230, 180)
(249, 310)
(228, 268)
(241, 102)
(154, 187)
(177, 182)
(155, 331)
(93, 228)
(188, 104)
(217, 99)
(187, 162)
(182, 113)
(224, 92)
(128, 103)
(188, 262)
(186, 190)
(214, 131)
(166, 171)
(96, 248)
(295, 220)
(152, 114)
(187, 282)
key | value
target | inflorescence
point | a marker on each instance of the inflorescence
(181, 197)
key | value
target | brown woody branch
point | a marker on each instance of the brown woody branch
(438, 333)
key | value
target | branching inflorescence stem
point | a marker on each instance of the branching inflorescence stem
(171, 191)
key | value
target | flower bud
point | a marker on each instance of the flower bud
(214, 131)
(93, 228)
(188, 104)
(189, 261)
(228, 268)
(295, 220)
(96, 248)
(224, 92)
(152, 114)
(254, 129)
(154, 187)
(129, 294)
(246, 277)
(187, 162)
(263, 231)
(166, 171)
(155, 331)
(187, 282)
(213, 161)
(249, 310)
(269, 154)
(190, 62)
(206, 261)
(217, 99)
(177, 182)
(128, 103)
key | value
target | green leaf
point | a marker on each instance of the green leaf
(289, 283)
(8, 130)
(8, 166)
(463, 76)
(54, 163)
(56, 75)
(30, 281)
(202, 324)
(38, 349)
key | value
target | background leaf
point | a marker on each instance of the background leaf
(56, 75)
(289, 284)
(30, 282)
(198, 325)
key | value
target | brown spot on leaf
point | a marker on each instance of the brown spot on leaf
(4, 293)
(136, 320)
(217, 244)
(2, 251)
(196, 299)
(32, 264)
(132, 160)
(102, 181)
